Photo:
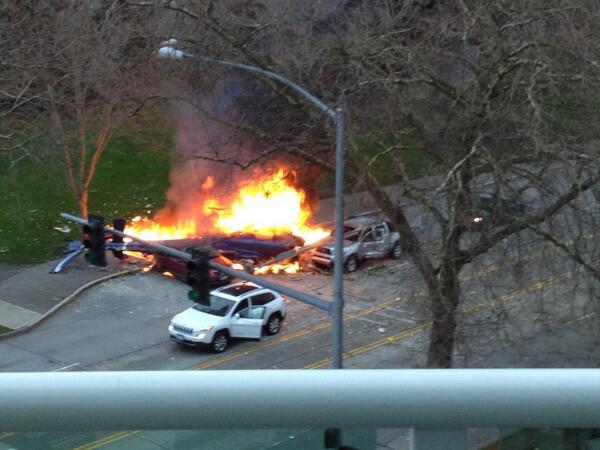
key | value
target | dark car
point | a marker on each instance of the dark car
(178, 267)
(492, 211)
(248, 246)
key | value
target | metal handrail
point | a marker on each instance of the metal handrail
(450, 398)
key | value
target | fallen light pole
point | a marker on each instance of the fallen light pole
(298, 295)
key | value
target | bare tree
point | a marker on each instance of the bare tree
(70, 68)
(496, 96)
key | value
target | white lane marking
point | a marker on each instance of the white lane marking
(401, 311)
(66, 367)
(403, 315)
(585, 316)
(369, 320)
(384, 314)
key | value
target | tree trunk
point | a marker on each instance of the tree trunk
(446, 296)
(441, 345)
(444, 305)
(83, 204)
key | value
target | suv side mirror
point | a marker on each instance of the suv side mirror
(236, 316)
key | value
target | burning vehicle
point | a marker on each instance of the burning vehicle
(262, 219)
(257, 249)
(253, 225)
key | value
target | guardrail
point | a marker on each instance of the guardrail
(451, 398)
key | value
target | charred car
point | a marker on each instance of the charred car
(248, 249)
(364, 237)
(254, 248)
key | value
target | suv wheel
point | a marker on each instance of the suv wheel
(351, 264)
(273, 325)
(220, 342)
(396, 251)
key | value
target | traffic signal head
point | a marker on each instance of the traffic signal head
(94, 241)
(198, 274)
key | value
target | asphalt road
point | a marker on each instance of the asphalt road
(518, 311)
(7, 271)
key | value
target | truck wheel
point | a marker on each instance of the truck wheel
(351, 264)
(396, 251)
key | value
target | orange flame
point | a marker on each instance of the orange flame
(293, 267)
(266, 207)
(149, 230)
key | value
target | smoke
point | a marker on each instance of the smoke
(204, 148)
(197, 137)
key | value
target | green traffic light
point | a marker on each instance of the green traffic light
(193, 295)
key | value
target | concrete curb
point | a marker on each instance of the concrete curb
(66, 301)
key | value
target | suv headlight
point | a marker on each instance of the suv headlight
(203, 330)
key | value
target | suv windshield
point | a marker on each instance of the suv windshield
(219, 306)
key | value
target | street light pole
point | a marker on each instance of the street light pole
(337, 115)
(337, 309)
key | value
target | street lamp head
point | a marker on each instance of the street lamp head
(170, 52)
(168, 49)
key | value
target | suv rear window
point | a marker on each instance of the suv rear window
(262, 299)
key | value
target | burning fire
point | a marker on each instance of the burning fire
(145, 228)
(278, 268)
(266, 207)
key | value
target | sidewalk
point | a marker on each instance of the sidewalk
(28, 294)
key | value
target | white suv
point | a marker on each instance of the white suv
(241, 310)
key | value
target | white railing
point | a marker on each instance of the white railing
(453, 398)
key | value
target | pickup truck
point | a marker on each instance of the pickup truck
(364, 237)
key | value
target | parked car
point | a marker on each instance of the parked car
(493, 210)
(364, 237)
(178, 267)
(248, 246)
(243, 310)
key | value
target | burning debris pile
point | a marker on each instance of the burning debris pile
(267, 207)
(211, 197)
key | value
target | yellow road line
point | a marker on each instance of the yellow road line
(418, 328)
(358, 350)
(347, 317)
(291, 336)
(6, 434)
(106, 440)
(372, 345)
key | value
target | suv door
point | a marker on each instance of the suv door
(246, 322)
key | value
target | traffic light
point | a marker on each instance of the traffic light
(119, 225)
(197, 275)
(93, 240)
